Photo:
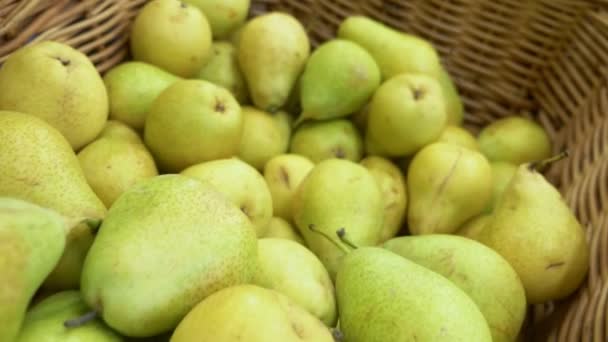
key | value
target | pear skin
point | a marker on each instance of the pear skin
(473, 227)
(264, 136)
(502, 173)
(321, 140)
(117, 130)
(223, 69)
(458, 136)
(453, 102)
(224, 15)
(282, 229)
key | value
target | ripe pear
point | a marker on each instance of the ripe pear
(273, 50)
(338, 193)
(453, 102)
(132, 87)
(113, 165)
(32, 239)
(447, 185)
(224, 15)
(360, 118)
(166, 244)
(394, 51)
(479, 271)
(321, 140)
(295, 271)
(243, 185)
(282, 229)
(45, 321)
(537, 233)
(394, 193)
(264, 136)
(515, 140)
(117, 130)
(283, 175)
(473, 227)
(173, 36)
(190, 122)
(502, 173)
(261, 315)
(408, 106)
(223, 69)
(339, 78)
(58, 84)
(458, 136)
(38, 165)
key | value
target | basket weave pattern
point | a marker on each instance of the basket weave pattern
(545, 59)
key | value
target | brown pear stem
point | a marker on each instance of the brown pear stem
(337, 335)
(79, 321)
(328, 238)
(342, 235)
(541, 165)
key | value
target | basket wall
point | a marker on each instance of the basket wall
(545, 59)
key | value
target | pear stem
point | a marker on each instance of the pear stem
(328, 238)
(541, 165)
(337, 335)
(79, 321)
(342, 235)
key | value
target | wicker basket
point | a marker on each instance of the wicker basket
(545, 59)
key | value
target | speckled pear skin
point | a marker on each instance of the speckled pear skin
(166, 244)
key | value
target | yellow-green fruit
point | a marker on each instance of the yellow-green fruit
(224, 15)
(171, 35)
(281, 229)
(264, 136)
(58, 84)
(502, 173)
(118, 130)
(321, 140)
(458, 136)
(132, 87)
(223, 69)
(37, 164)
(261, 315)
(473, 227)
(453, 102)
(515, 140)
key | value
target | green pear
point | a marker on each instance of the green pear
(117, 130)
(283, 175)
(193, 121)
(515, 140)
(58, 84)
(165, 245)
(282, 229)
(408, 106)
(224, 15)
(339, 78)
(132, 87)
(32, 239)
(264, 136)
(112, 166)
(223, 69)
(243, 185)
(502, 173)
(458, 136)
(473, 227)
(38, 165)
(295, 271)
(338, 193)
(394, 193)
(480, 272)
(45, 321)
(173, 36)
(261, 315)
(453, 102)
(447, 185)
(533, 228)
(321, 140)
(394, 51)
(272, 53)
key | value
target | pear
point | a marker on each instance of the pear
(394, 51)
(112, 165)
(515, 140)
(473, 227)
(45, 321)
(281, 229)
(58, 84)
(320, 140)
(480, 272)
(537, 233)
(273, 50)
(338, 193)
(292, 269)
(243, 185)
(32, 239)
(261, 315)
(223, 69)
(173, 26)
(408, 106)
(193, 121)
(339, 78)
(502, 173)
(132, 87)
(453, 102)
(264, 136)
(165, 245)
(224, 15)
(394, 193)
(360, 118)
(38, 165)
(458, 136)
(117, 130)
(447, 185)
(283, 175)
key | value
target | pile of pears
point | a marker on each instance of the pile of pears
(229, 182)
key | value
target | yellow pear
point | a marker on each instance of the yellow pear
(502, 173)
(281, 229)
(459, 136)
(453, 103)
(223, 69)
(325, 139)
(117, 130)
(264, 136)
(224, 15)
(473, 227)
